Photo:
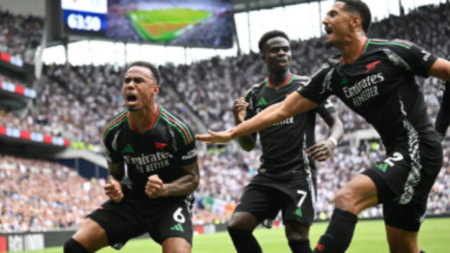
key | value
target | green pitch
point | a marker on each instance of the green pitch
(165, 24)
(369, 238)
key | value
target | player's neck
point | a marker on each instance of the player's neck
(278, 79)
(143, 119)
(352, 49)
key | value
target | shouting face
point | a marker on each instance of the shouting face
(139, 88)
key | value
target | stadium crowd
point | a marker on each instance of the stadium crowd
(40, 195)
(89, 96)
(20, 35)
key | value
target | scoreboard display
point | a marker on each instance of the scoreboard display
(191, 23)
(85, 15)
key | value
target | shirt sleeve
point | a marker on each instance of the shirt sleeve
(250, 111)
(186, 147)
(412, 57)
(318, 88)
(326, 108)
(110, 143)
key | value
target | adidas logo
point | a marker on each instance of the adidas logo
(382, 166)
(261, 102)
(298, 212)
(128, 149)
(177, 227)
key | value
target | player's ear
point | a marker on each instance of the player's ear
(263, 57)
(156, 89)
(355, 22)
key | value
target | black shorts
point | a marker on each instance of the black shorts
(265, 197)
(405, 178)
(129, 219)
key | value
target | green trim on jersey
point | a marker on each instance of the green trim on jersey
(251, 89)
(290, 81)
(111, 127)
(180, 122)
(115, 118)
(390, 43)
(178, 129)
(113, 123)
(159, 117)
(365, 47)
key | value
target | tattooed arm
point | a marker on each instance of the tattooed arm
(184, 185)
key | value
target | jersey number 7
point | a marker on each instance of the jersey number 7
(303, 194)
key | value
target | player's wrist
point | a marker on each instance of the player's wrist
(164, 190)
(333, 140)
(233, 133)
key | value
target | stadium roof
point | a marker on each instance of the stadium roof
(248, 5)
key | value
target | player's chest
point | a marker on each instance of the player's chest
(266, 97)
(365, 81)
(148, 152)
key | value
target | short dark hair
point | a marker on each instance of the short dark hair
(150, 66)
(269, 35)
(362, 9)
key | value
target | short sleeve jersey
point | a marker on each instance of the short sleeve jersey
(380, 86)
(163, 150)
(284, 144)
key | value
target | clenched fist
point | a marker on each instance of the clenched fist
(239, 107)
(114, 191)
(155, 187)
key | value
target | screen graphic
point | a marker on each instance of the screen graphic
(192, 23)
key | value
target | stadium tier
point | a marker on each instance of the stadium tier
(210, 87)
(19, 38)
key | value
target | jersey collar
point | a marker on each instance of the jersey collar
(361, 51)
(155, 120)
(286, 82)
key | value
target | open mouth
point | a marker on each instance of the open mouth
(328, 30)
(282, 62)
(131, 98)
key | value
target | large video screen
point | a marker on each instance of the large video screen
(191, 23)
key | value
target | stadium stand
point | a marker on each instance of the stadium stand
(38, 195)
(20, 35)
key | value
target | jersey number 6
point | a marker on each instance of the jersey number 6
(178, 216)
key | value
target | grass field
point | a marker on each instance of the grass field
(369, 238)
(165, 24)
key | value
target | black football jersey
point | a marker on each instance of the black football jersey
(445, 103)
(167, 146)
(380, 86)
(284, 144)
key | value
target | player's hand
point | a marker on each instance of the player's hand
(239, 107)
(114, 191)
(155, 187)
(321, 151)
(216, 137)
